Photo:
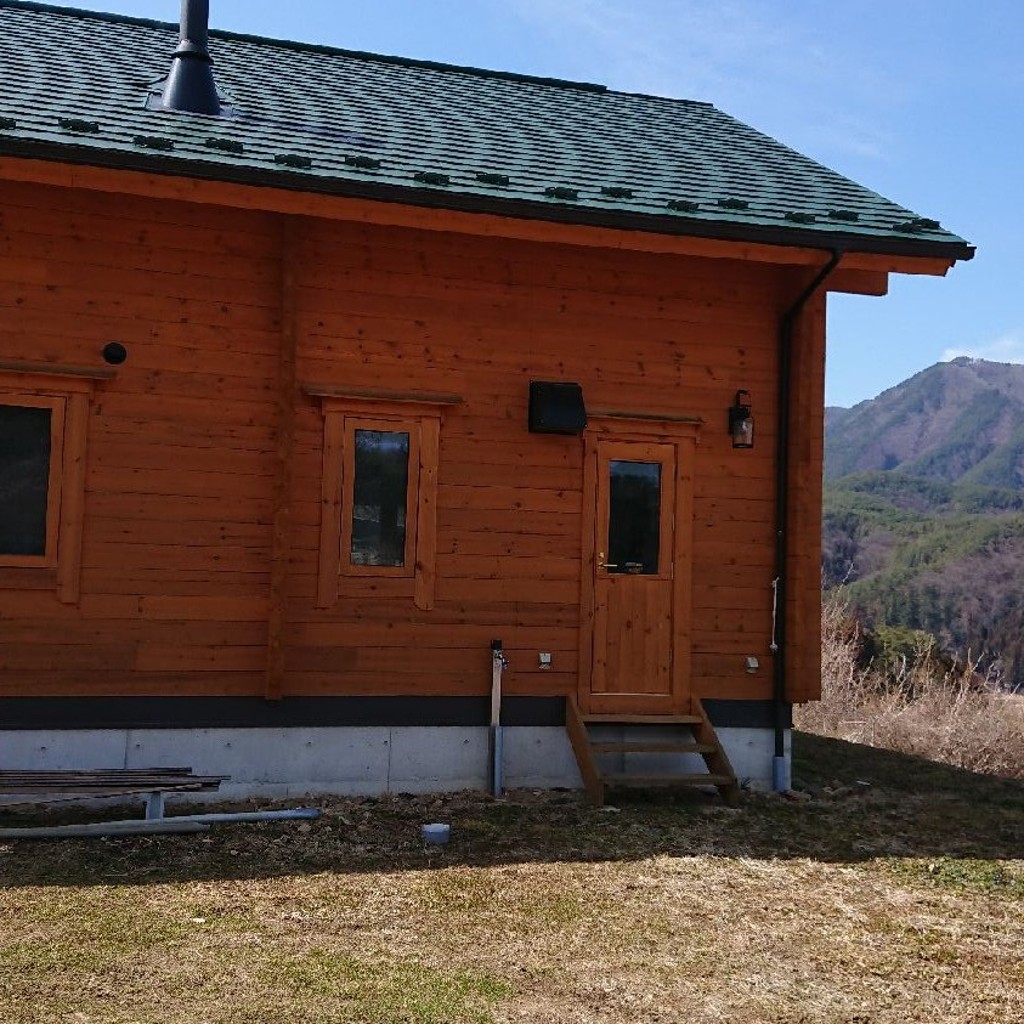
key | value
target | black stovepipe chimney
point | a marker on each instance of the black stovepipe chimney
(190, 87)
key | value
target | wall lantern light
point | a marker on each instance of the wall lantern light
(741, 422)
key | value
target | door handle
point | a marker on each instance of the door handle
(607, 565)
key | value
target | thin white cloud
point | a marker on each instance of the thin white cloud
(852, 134)
(1007, 348)
(687, 48)
(749, 58)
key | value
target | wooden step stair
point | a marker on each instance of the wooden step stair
(697, 736)
(656, 779)
(641, 747)
(643, 719)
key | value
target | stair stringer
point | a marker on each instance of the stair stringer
(634, 750)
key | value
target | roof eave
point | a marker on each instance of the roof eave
(498, 205)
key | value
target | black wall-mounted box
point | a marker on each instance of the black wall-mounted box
(556, 407)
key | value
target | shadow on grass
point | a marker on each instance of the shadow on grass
(868, 804)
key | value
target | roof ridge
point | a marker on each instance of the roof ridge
(634, 94)
(79, 12)
(294, 44)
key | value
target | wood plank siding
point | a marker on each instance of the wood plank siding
(201, 562)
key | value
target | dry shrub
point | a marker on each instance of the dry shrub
(927, 708)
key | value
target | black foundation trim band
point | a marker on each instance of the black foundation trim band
(75, 713)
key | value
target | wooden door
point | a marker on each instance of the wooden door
(634, 630)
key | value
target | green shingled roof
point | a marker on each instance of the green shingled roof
(74, 87)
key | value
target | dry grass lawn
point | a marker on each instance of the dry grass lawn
(896, 897)
(928, 707)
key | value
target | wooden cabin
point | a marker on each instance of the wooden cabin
(322, 371)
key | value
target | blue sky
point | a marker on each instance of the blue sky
(921, 100)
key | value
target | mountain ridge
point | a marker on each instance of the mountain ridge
(924, 509)
(939, 424)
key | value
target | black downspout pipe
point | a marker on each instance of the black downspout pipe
(190, 87)
(780, 780)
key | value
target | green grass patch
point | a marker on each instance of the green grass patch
(967, 875)
(377, 992)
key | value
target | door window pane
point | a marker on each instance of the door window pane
(380, 493)
(24, 478)
(634, 517)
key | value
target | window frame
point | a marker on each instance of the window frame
(419, 415)
(57, 405)
(412, 427)
(69, 389)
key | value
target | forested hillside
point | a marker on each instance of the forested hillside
(924, 509)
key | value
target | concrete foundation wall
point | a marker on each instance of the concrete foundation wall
(345, 760)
